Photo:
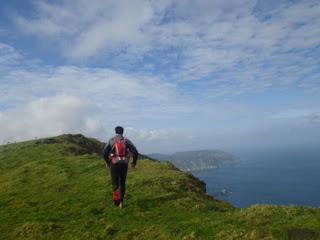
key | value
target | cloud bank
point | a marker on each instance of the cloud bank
(47, 117)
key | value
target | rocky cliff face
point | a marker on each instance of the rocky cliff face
(196, 160)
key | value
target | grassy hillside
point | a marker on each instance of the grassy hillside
(58, 188)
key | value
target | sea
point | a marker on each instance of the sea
(281, 176)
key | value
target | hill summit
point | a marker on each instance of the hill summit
(58, 188)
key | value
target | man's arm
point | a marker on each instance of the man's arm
(134, 151)
(106, 152)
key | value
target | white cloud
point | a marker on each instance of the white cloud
(90, 27)
(233, 45)
(113, 91)
(8, 55)
(304, 113)
(155, 135)
(48, 117)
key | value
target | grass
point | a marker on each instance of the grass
(58, 188)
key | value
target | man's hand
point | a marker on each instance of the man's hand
(107, 166)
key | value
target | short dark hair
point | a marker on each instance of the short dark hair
(119, 130)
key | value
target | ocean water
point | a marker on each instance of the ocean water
(280, 177)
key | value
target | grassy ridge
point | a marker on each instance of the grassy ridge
(58, 188)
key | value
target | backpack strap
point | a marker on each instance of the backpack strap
(111, 155)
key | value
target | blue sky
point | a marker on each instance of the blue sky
(177, 75)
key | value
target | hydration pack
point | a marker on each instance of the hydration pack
(120, 152)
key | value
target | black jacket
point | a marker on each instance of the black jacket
(129, 144)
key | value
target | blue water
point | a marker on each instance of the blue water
(273, 177)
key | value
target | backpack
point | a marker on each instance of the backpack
(119, 151)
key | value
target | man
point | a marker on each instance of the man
(116, 154)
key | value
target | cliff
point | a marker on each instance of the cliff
(197, 160)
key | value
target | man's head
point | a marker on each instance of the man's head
(119, 130)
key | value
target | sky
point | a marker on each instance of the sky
(177, 75)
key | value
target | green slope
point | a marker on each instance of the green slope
(58, 188)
